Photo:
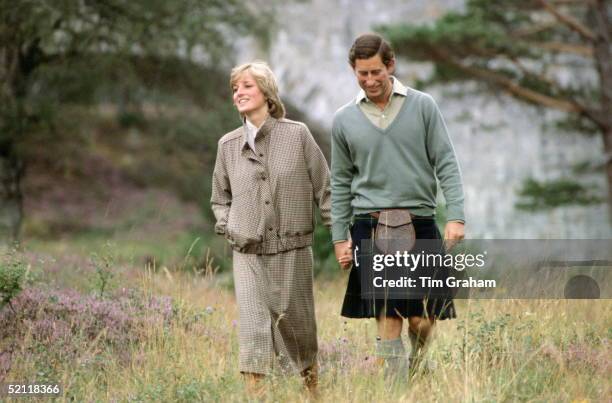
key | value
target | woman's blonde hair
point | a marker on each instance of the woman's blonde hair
(266, 81)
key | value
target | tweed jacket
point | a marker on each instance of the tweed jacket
(264, 199)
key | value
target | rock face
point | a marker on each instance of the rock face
(499, 142)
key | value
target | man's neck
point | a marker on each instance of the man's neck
(384, 99)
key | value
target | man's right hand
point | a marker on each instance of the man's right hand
(344, 254)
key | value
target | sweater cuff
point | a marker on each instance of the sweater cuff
(454, 213)
(340, 231)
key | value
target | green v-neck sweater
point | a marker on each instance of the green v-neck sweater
(396, 167)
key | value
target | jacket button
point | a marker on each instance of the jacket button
(267, 201)
(261, 155)
(270, 229)
(263, 178)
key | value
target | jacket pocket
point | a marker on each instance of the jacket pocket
(241, 228)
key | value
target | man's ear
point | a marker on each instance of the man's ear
(391, 66)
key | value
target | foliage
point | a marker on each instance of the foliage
(52, 327)
(503, 45)
(549, 194)
(13, 274)
(527, 49)
(104, 269)
(56, 53)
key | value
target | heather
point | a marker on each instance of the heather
(65, 326)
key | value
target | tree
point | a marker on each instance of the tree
(519, 47)
(38, 36)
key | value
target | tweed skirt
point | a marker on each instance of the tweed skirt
(357, 306)
(276, 311)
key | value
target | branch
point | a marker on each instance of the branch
(568, 20)
(515, 89)
(533, 29)
(572, 2)
(580, 50)
(533, 74)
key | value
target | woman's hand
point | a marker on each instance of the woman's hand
(344, 254)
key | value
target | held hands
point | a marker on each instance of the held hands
(454, 231)
(344, 254)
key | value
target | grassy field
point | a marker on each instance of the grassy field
(170, 334)
(129, 298)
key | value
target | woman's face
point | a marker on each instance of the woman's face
(248, 98)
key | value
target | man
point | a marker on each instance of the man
(388, 147)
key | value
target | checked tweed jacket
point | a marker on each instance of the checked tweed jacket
(264, 199)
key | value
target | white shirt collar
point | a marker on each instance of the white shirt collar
(398, 88)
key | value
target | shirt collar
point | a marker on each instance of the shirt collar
(398, 88)
(261, 132)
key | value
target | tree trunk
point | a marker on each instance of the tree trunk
(11, 198)
(11, 127)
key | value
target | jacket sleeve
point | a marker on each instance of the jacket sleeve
(221, 199)
(319, 175)
(442, 157)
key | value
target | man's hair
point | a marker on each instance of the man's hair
(370, 45)
(266, 81)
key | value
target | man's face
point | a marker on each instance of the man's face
(374, 77)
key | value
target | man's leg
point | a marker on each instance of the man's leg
(390, 350)
(419, 331)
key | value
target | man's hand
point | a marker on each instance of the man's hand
(344, 254)
(453, 232)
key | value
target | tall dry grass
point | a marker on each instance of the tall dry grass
(506, 350)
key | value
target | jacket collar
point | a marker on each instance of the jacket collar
(263, 131)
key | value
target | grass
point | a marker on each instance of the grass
(553, 350)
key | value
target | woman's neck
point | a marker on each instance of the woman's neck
(258, 117)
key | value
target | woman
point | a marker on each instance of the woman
(268, 175)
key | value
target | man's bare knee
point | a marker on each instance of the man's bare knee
(421, 326)
(389, 327)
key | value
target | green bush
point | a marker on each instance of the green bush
(12, 277)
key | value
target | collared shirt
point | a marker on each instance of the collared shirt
(383, 117)
(251, 131)
(264, 201)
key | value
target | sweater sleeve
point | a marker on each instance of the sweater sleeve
(341, 179)
(442, 157)
(319, 175)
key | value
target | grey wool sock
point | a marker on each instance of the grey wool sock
(394, 356)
